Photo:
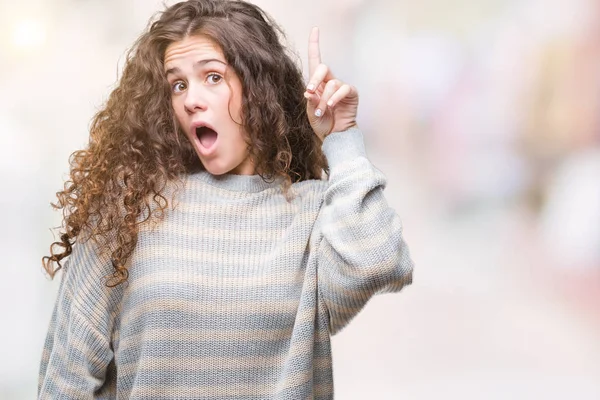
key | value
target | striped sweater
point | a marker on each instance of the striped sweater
(235, 294)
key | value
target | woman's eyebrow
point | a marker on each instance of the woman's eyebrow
(198, 64)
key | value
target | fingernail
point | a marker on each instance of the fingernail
(310, 87)
(306, 95)
(318, 112)
(330, 103)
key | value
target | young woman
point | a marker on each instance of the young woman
(222, 224)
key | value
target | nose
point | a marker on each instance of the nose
(195, 100)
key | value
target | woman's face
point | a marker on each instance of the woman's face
(206, 96)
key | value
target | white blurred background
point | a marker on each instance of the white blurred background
(483, 114)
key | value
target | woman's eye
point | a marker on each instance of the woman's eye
(178, 87)
(213, 79)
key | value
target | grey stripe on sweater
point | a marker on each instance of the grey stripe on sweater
(235, 294)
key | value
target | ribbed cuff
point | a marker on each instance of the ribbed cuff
(344, 146)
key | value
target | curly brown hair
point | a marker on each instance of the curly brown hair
(136, 145)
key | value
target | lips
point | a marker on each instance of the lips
(207, 136)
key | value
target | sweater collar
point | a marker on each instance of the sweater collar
(236, 183)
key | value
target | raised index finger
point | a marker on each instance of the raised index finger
(314, 53)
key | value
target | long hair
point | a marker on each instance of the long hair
(136, 145)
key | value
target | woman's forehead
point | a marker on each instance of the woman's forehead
(195, 48)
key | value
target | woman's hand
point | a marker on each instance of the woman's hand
(331, 104)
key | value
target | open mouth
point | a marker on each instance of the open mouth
(206, 136)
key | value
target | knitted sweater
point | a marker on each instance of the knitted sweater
(235, 294)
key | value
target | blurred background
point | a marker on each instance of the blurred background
(483, 114)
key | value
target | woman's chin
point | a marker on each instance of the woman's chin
(214, 168)
(215, 171)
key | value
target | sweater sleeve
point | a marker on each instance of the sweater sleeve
(361, 250)
(77, 350)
